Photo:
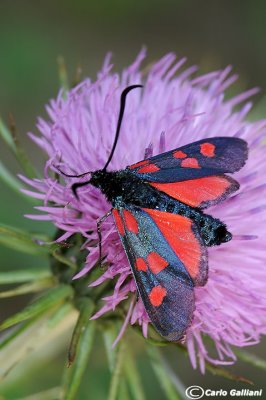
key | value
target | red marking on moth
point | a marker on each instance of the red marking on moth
(179, 154)
(148, 168)
(196, 191)
(156, 296)
(119, 222)
(207, 149)
(141, 264)
(138, 164)
(131, 222)
(190, 163)
(177, 230)
(156, 262)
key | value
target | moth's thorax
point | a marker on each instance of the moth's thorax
(115, 185)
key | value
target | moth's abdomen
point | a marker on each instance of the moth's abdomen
(213, 231)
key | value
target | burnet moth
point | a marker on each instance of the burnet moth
(157, 205)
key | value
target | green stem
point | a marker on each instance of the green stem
(85, 313)
(114, 385)
(133, 377)
(226, 374)
(24, 275)
(173, 376)
(32, 287)
(49, 299)
(162, 374)
(50, 394)
(62, 72)
(82, 344)
(250, 358)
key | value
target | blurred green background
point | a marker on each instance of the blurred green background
(33, 34)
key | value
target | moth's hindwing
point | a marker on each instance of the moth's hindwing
(168, 258)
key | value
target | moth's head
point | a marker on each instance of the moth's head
(77, 185)
(97, 179)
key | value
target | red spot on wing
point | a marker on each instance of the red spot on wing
(138, 164)
(177, 230)
(141, 264)
(131, 222)
(190, 162)
(157, 294)
(194, 192)
(118, 221)
(179, 154)
(207, 149)
(156, 262)
(148, 168)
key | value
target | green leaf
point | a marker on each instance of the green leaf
(32, 287)
(9, 179)
(62, 72)
(20, 153)
(82, 342)
(11, 139)
(6, 136)
(12, 182)
(161, 374)
(17, 331)
(50, 299)
(225, 373)
(85, 313)
(50, 394)
(109, 335)
(24, 275)
(251, 359)
(30, 243)
(117, 372)
(64, 260)
(25, 162)
(133, 377)
(22, 241)
(123, 393)
(178, 384)
(39, 333)
(59, 314)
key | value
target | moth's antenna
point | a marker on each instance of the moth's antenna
(75, 187)
(119, 122)
(73, 176)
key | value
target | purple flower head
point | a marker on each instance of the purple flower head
(172, 109)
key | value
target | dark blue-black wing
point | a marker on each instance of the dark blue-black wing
(195, 174)
(168, 258)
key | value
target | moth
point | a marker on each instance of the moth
(158, 207)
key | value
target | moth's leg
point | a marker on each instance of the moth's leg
(99, 223)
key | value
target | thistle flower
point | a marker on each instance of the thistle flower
(78, 136)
